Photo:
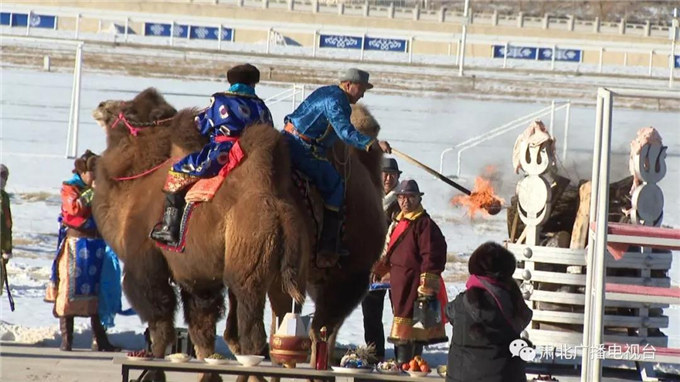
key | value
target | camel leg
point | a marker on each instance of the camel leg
(281, 303)
(250, 315)
(334, 301)
(201, 312)
(231, 330)
(147, 289)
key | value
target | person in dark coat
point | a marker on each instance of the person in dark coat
(413, 262)
(374, 302)
(486, 318)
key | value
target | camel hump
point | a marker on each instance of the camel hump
(364, 121)
(148, 106)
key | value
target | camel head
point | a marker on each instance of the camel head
(106, 112)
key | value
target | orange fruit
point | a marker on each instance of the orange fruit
(413, 365)
(425, 368)
(404, 366)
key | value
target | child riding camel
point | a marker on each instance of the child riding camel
(228, 115)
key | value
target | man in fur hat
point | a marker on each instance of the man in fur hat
(311, 130)
(224, 120)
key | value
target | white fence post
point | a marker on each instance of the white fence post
(74, 113)
(410, 50)
(363, 41)
(315, 43)
(566, 131)
(599, 65)
(552, 61)
(28, 23)
(269, 39)
(127, 27)
(651, 60)
(505, 55)
(552, 117)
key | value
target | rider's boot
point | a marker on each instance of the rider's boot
(331, 246)
(168, 231)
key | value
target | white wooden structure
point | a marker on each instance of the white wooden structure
(599, 237)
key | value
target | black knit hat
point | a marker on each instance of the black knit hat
(85, 162)
(243, 74)
(492, 260)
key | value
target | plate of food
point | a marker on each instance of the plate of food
(139, 355)
(352, 370)
(388, 367)
(216, 359)
(178, 358)
(417, 367)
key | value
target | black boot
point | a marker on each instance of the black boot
(168, 233)
(404, 353)
(66, 328)
(331, 236)
(100, 341)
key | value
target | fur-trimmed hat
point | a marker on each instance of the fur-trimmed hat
(85, 162)
(492, 260)
(243, 74)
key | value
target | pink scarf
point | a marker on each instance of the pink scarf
(516, 313)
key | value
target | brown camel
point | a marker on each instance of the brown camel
(247, 238)
(336, 291)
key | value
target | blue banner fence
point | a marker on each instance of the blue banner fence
(193, 32)
(533, 53)
(23, 19)
(383, 44)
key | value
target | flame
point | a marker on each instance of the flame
(482, 196)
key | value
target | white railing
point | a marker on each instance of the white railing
(512, 125)
(292, 94)
(73, 116)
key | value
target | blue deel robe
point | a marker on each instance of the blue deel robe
(323, 117)
(228, 115)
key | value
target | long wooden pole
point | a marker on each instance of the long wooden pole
(432, 171)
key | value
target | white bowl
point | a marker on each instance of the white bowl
(418, 373)
(178, 358)
(249, 360)
(213, 361)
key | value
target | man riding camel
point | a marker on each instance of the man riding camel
(228, 115)
(311, 130)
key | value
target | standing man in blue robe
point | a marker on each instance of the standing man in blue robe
(311, 130)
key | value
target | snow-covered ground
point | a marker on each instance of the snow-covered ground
(34, 119)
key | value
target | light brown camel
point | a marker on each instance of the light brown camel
(247, 238)
(336, 291)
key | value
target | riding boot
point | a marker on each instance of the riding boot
(66, 328)
(168, 233)
(100, 341)
(404, 352)
(331, 235)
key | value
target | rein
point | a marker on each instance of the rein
(142, 174)
(135, 129)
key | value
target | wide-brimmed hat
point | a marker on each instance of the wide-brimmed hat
(243, 74)
(390, 165)
(408, 187)
(357, 76)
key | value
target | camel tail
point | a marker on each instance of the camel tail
(295, 252)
